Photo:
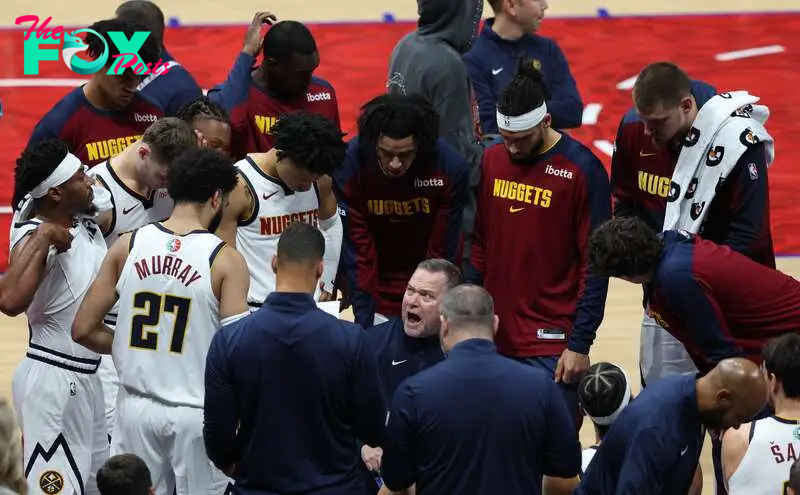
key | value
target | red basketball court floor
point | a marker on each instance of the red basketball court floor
(604, 54)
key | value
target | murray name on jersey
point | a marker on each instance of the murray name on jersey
(167, 264)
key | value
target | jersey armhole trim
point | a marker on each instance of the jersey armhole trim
(113, 222)
(130, 241)
(752, 432)
(253, 214)
(213, 256)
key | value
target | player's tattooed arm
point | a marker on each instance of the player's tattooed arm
(28, 265)
(88, 328)
(241, 208)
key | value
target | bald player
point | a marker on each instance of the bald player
(757, 457)
(648, 451)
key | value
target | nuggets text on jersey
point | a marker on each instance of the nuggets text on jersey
(107, 148)
(525, 193)
(403, 208)
(277, 224)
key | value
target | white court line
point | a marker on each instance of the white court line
(605, 146)
(627, 83)
(749, 52)
(45, 83)
(6, 210)
(590, 113)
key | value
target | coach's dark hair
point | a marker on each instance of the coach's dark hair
(145, 13)
(124, 474)
(781, 357)
(149, 53)
(660, 83)
(624, 246)
(440, 265)
(168, 138)
(311, 141)
(398, 116)
(301, 243)
(35, 164)
(197, 174)
(468, 307)
(601, 391)
(525, 92)
(203, 108)
(286, 38)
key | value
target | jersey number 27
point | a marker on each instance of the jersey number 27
(154, 305)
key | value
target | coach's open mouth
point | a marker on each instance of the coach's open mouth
(413, 318)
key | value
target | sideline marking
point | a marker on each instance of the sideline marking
(749, 52)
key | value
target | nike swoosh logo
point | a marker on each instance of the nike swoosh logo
(684, 450)
(643, 154)
(267, 196)
(511, 209)
(126, 211)
(497, 71)
(395, 363)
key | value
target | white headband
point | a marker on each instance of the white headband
(522, 122)
(607, 420)
(65, 170)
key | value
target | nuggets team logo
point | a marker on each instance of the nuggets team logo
(692, 188)
(173, 245)
(715, 155)
(743, 112)
(697, 210)
(752, 170)
(674, 192)
(692, 137)
(51, 482)
(536, 64)
(727, 96)
(748, 138)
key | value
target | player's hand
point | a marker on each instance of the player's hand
(571, 366)
(372, 457)
(59, 237)
(253, 38)
(324, 295)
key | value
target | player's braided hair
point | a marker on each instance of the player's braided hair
(311, 141)
(624, 246)
(525, 92)
(399, 116)
(35, 164)
(197, 174)
(202, 108)
(149, 53)
(602, 390)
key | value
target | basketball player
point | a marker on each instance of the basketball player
(56, 252)
(171, 88)
(604, 391)
(793, 486)
(541, 194)
(289, 183)
(101, 118)
(256, 98)
(210, 122)
(177, 284)
(757, 457)
(136, 181)
(125, 474)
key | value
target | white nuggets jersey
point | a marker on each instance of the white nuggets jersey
(66, 280)
(764, 470)
(168, 314)
(131, 210)
(275, 207)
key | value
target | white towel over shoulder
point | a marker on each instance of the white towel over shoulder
(725, 127)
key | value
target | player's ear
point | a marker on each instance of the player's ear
(687, 102)
(495, 324)
(547, 121)
(274, 263)
(723, 396)
(320, 269)
(143, 151)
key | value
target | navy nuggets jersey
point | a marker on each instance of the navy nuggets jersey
(530, 247)
(275, 207)
(253, 111)
(95, 135)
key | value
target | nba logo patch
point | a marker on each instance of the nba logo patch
(173, 245)
(752, 170)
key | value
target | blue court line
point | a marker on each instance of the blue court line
(381, 20)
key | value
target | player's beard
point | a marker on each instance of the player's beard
(215, 221)
(713, 420)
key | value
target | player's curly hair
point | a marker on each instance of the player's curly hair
(601, 391)
(398, 116)
(310, 141)
(203, 108)
(624, 247)
(525, 92)
(35, 164)
(149, 53)
(198, 173)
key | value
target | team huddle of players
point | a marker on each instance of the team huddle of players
(163, 207)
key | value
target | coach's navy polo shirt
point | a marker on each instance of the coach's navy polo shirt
(653, 446)
(478, 423)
